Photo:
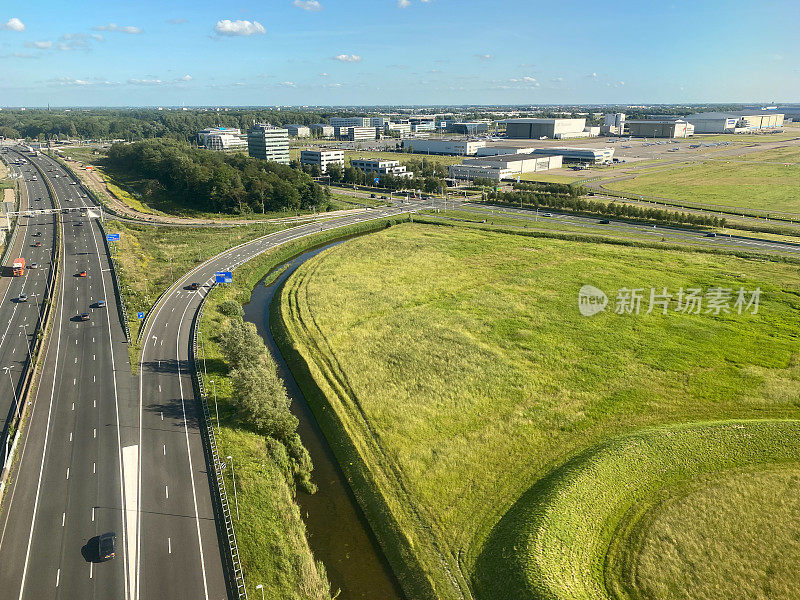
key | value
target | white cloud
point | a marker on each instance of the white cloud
(98, 38)
(24, 55)
(484, 56)
(288, 84)
(592, 76)
(69, 81)
(403, 3)
(347, 58)
(41, 45)
(177, 21)
(776, 57)
(145, 82)
(186, 78)
(529, 79)
(122, 29)
(557, 79)
(243, 28)
(78, 41)
(13, 24)
(323, 74)
(309, 5)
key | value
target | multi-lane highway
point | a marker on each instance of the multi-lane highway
(19, 319)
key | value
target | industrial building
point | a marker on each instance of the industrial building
(734, 121)
(350, 121)
(322, 158)
(445, 147)
(469, 128)
(225, 142)
(534, 129)
(598, 156)
(495, 150)
(613, 124)
(378, 167)
(504, 166)
(321, 130)
(268, 143)
(299, 130)
(661, 128)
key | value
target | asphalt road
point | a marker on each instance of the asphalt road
(68, 486)
(19, 321)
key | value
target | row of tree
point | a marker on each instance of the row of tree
(260, 397)
(569, 202)
(214, 181)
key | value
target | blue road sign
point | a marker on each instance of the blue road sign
(112, 237)
(140, 315)
(223, 277)
(377, 180)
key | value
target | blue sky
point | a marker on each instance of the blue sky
(352, 52)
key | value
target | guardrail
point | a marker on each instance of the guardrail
(112, 263)
(222, 506)
(26, 382)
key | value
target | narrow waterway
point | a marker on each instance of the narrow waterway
(338, 533)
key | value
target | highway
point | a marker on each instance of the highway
(68, 486)
(19, 321)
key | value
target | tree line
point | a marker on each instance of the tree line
(214, 181)
(565, 197)
(260, 399)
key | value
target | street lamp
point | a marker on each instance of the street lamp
(30, 358)
(216, 407)
(13, 389)
(235, 496)
(261, 587)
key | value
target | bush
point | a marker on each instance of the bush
(231, 308)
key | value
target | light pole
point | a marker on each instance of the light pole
(261, 587)
(30, 357)
(235, 496)
(13, 390)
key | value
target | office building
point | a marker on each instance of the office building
(298, 130)
(504, 166)
(321, 130)
(268, 143)
(350, 121)
(663, 128)
(445, 147)
(355, 134)
(469, 128)
(423, 126)
(378, 167)
(735, 121)
(599, 156)
(202, 136)
(225, 142)
(322, 158)
(401, 128)
(613, 124)
(534, 129)
(379, 122)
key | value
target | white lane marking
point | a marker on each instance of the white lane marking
(93, 514)
(165, 449)
(90, 569)
(70, 436)
(166, 491)
(169, 545)
(159, 388)
(130, 460)
(67, 472)
(95, 432)
(94, 468)
(58, 577)
(63, 518)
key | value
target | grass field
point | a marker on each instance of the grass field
(465, 376)
(729, 183)
(749, 516)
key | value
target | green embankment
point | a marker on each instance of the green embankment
(453, 372)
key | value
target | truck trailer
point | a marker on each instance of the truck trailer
(18, 267)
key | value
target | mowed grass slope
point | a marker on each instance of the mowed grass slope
(731, 183)
(462, 371)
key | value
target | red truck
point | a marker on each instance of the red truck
(18, 267)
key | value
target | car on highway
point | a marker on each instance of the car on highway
(79, 223)
(33, 265)
(101, 304)
(23, 297)
(106, 546)
(38, 244)
(84, 316)
(604, 222)
(547, 215)
(82, 273)
(712, 234)
(194, 286)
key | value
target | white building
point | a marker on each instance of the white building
(423, 126)
(467, 172)
(613, 124)
(735, 121)
(355, 134)
(322, 158)
(446, 147)
(298, 130)
(225, 142)
(514, 164)
(378, 167)
(322, 130)
(401, 128)
(534, 129)
(202, 136)
(268, 143)
(350, 121)
(495, 150)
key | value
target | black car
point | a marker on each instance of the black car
(194, 286)
(106, 546)
(604, 222)
(712, 234)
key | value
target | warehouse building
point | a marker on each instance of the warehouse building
(595, 156)
(735, 121)
(504, 166)
(444, 147)
(534, 129)
(321, 130)
(322, 158)
(495, 150)
(661, 128)
(268, 143)
(299, 130)
(378, 167)
(350, 121)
